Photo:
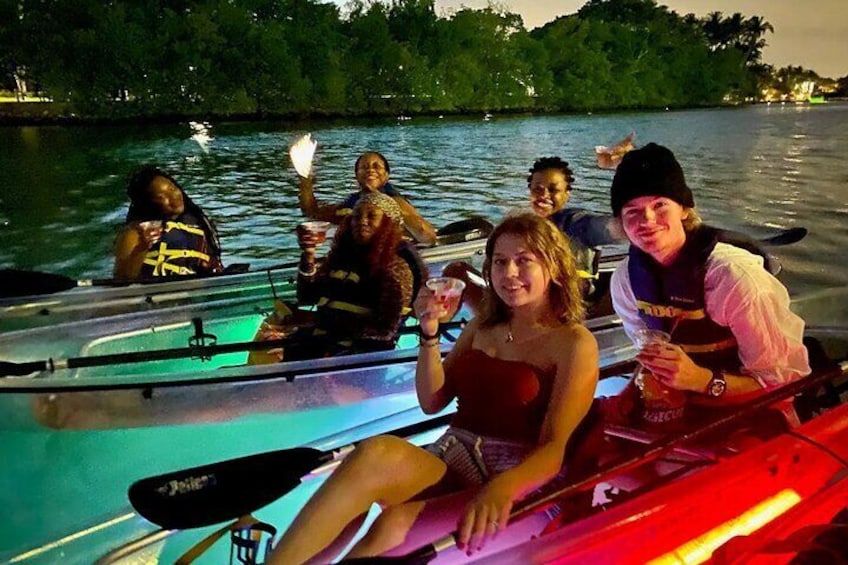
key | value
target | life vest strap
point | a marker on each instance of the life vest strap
(662, 311)
(341, 275)
(171, 225)
(343, 306)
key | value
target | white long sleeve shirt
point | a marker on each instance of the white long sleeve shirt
(742, 295)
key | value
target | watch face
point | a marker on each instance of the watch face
(717, 386)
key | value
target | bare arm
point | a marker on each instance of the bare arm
(418, 227)
(672, 366)
(309, 205)
(130, 251)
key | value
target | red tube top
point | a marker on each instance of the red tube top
(503, 399)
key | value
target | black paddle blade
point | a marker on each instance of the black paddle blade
(10, 369)
(464, 230)
(223, 491)
(467, 225)
(786, 237)
(14, 282)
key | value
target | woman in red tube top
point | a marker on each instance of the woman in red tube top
(523, 374)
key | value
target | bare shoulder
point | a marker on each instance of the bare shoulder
(127, 238)
(572, 341)
(576, 334)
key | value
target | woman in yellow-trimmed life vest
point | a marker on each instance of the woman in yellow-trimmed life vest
(363, 289)
(166, 234)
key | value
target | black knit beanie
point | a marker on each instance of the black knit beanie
(649, 171)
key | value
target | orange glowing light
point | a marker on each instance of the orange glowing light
(701, 548)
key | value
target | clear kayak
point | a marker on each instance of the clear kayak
(31, 299)
(180, 353)
(69, 500)
(78, 442)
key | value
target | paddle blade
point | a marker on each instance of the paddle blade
(14, 282)
(786, 237)
(462, 227)
(10, 369)
(222, 491)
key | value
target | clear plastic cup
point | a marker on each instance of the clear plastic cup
(447, 292)
(317, 230)
(152, 230)
(663, 406)
(647, 336)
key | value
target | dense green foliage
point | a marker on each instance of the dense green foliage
(223, 57)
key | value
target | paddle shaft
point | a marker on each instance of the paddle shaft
(8, 368)
(543, 500)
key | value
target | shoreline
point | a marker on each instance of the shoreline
(40, 113)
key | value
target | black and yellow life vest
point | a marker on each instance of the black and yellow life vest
(182, 250)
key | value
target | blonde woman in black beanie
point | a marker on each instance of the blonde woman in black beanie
(733, 336)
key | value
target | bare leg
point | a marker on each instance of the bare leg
(406, 527)
(383, 469)
(330, 552)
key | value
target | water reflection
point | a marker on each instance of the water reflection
(201, 134)
(751, 168)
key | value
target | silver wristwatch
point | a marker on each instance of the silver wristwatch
(717, 385)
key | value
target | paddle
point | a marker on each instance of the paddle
(463, 230)
(548, 497)
(200, 350)
(18, 282)
(208, 494)
(785, 237)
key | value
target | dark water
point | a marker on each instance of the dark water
(757, 168)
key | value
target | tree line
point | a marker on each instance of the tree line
(134, 58)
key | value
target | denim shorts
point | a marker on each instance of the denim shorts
(476, 459)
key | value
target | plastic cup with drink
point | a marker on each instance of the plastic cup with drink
(314, 232)
(151, 231)
(447, 292)
(663, 406)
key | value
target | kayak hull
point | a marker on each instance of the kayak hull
(88, 302)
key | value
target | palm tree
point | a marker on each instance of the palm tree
(753, 32)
